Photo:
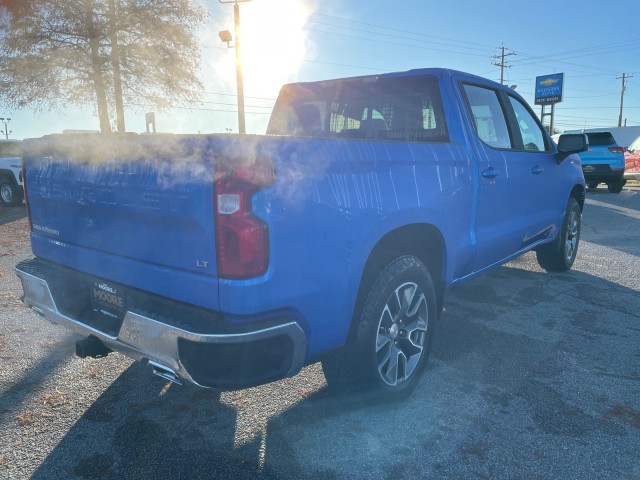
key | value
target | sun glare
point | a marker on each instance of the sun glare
(274, 43)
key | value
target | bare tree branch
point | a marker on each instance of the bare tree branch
(59, 52)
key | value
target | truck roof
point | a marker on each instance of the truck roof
(437, 72)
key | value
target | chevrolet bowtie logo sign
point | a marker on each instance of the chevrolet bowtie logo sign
(548, 82)
(549, 89)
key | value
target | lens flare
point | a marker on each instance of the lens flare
(273, 42)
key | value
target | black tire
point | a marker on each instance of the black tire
(397, 319)
(10, 194)
(559, 255)
(592, 185)
(616, 187)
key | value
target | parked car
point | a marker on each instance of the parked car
(11, 192)
(632, 161)
(603, 162)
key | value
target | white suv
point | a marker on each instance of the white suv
(11, 190)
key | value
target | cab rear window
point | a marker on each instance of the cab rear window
(393, 109)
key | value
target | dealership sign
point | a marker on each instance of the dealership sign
(549, 89)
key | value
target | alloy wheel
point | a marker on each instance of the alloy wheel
(402, 333)
(573, 230)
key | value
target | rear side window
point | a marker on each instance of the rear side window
(487, 116)
(601, 139)
(391, 109)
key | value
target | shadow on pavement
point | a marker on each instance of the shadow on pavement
(141, 428)
(495, 401)
(11, 214)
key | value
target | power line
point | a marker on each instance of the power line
(450, 42)
(607, 47)
(397, 36)
(396, 44)
(590, 108)
(198, 109)
(360, 67)
(575, 53)
(348, 28)
(232, 104)
(475, 44)
(233, 95)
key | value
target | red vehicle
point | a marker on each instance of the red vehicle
(632, 161)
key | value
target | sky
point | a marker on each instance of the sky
(307, 40)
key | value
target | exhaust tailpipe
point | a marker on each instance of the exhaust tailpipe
(164, 372)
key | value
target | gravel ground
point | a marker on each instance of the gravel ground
(532, 376)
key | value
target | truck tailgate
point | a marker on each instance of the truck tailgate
(143, 205)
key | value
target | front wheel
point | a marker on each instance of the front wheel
(559, 255)
(391, 341)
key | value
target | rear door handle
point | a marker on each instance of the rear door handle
(490, 173)
(536, 170)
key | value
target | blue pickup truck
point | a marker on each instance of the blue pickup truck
(233, 260)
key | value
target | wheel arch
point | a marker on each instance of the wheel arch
(578, 192)
(8, 175)
(423, 240)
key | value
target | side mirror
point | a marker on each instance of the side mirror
(571, 143)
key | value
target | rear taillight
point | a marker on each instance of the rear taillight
(23, 176)
(616, 149)
(242, 239)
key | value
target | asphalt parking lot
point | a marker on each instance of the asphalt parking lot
(532, 375)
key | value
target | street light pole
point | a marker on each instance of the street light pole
(239, 80)
(6, 126)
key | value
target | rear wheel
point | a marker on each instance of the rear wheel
(9, 193)
(592, 185)
(559, 255)
(616, 187)
(390, 344)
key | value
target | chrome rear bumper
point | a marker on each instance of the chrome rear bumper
(147, 339)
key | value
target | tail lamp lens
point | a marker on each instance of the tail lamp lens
(228, 203)
(242, 239)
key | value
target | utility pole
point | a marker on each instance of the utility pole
(239, 81)
(6, 130)
(624, 78)
(502, 63)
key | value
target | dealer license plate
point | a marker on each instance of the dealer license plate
(108, 299)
